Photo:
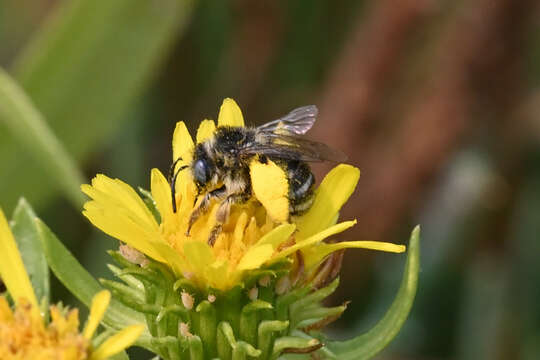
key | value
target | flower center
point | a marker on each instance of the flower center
(24, 336)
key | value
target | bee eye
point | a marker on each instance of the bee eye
(201, 171)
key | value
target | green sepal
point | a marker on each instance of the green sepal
(314, 314)
(315, 297)
(196, 351)
(185, 285)
(161, 345)
(128, 279)
(225, 340)
(249, 320)
(266, 332)
(242, 350)
(122, 290)
(294, 342)
(172, 309)
(207, 327)
(369, 344)
(27, 236)
(284, 301)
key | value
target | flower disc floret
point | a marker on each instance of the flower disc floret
(25, 334)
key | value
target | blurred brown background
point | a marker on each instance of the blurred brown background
(438, 104)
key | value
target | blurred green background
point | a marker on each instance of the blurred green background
(437, 102)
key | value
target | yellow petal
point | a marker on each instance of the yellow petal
(277, 235)
(117, 343)
(117, 223)
(206, 130)
(182, 143)
(199, 255)
(175, 261)
(230, 114)
(217, 274)
(319, 252)
(334, 191)
(116, 193)
(161, 192)
(12, 269)
(6, 316)
(315, 238)
(255, 257)
(271, 188)
(100, 302)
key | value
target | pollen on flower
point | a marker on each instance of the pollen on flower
(187, 300)
(23, 336)
(183, 329)
(253, 293)
(132, 255)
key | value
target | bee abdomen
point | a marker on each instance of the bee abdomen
(301, 182)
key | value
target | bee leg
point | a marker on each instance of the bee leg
(222, 215)
(203, 206)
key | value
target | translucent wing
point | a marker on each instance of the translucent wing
(292, 147)
(297, 122)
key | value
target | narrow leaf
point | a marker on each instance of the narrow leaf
(79, 282)
(28, 241)
(30, 129)
(86, 67)
(369, 344)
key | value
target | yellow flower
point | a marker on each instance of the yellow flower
(255, 236)
(24, 335)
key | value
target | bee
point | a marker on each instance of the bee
(221, 164)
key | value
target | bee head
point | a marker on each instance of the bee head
(201, 171)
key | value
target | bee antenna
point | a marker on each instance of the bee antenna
(173, 186)
(171, 170)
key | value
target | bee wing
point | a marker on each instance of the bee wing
(298, 121)
(292, 147)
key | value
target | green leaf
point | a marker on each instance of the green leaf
(85, 69)
(369, 344)
(79, 282)
(30, 129)
(28, 241)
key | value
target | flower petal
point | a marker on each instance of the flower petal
(100, 302)
(161, 193)
(265, 247)
(255, 256)
(116, 193)
(182, 143)
(318, 253)
(320, 236)
(277, 235)
(230, 114)
(12, 269)
(118, 224)
(206, 130)
(117, 343)
(199, 255)
(334, 191)
(271, 188)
